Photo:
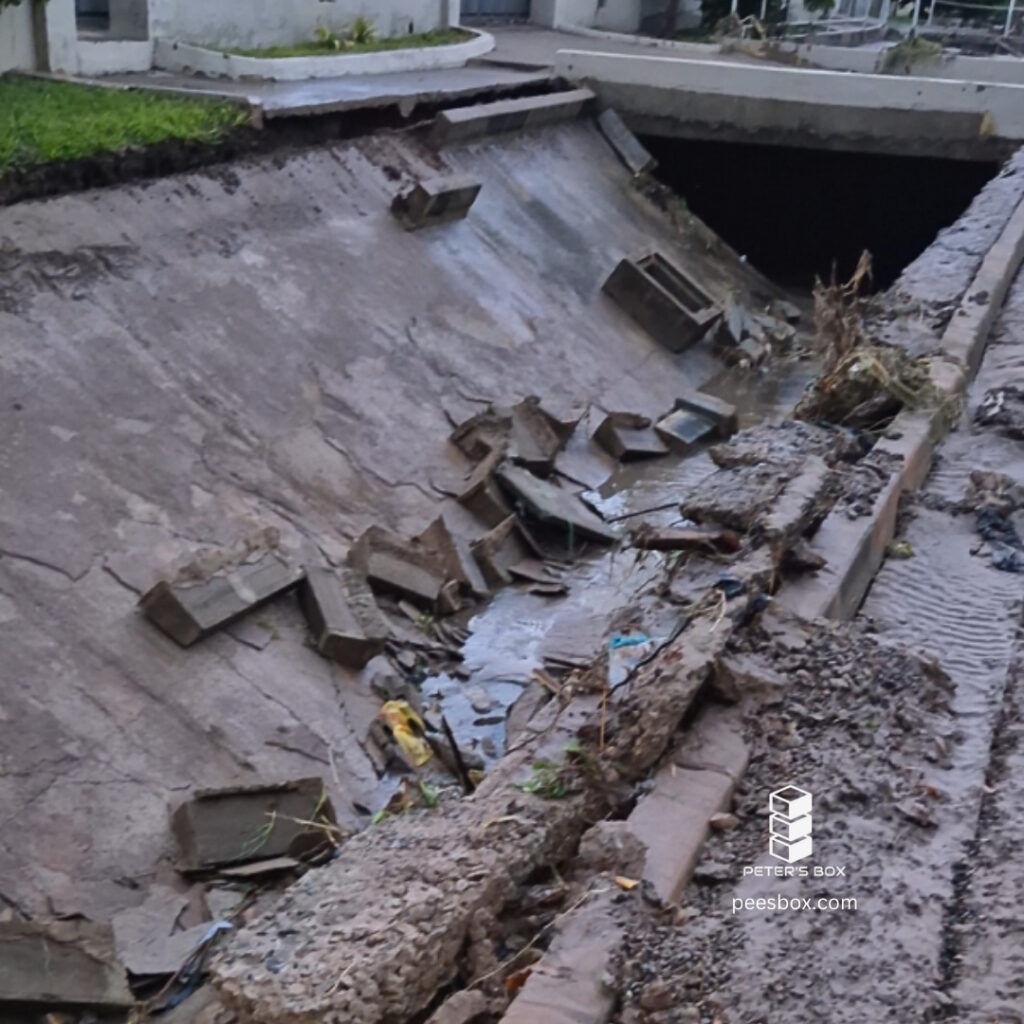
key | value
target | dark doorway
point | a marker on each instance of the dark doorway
(793, 212)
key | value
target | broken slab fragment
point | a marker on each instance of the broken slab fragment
(435, 201)
(398, 566)
(453, 551)
(346, 623)
(550, 504)
(629, 148)
(189, 613)
(682, 429)
(663, 299)
(66, 965)
(219, 827)
(721, 413)
(499, 550)
(627, 437)
(482, 495)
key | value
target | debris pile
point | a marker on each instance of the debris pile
(862, 385)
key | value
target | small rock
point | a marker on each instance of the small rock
(712, 872)
(656, 996)
(723, 822)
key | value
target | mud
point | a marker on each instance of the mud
(858, 724)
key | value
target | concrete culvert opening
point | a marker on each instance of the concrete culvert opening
(792, 212)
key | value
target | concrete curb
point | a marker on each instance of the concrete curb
(464, 123)
(672, 822)
(856, 548)
(176, 56)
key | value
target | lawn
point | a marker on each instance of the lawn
(314, 48)
(45, 122)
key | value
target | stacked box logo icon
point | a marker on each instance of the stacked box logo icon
(790, 825)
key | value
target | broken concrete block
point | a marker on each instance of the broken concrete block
(551, 505)
(482, 495)
(147, 937)
(463, 123)
(536, 439)
(453, 552)
(344, 618)
(629, 148)
(188, 613)
(435, 201)
(498, 551)
(483, 434)
(735, 498)
(401, 567)
(664, 300)
(66, 965)
(627, 437)
(524, 432)
(721, 413)
(220, 827)
(682, 429)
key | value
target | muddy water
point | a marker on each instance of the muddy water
(504, 648)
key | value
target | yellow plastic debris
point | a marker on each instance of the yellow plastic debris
(626, 883)
(407, 728)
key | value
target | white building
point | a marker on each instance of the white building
(102, 36)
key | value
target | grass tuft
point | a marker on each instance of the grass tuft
(319, 48)
(43, 122)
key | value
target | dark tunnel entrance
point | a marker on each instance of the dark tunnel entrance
(792, 212)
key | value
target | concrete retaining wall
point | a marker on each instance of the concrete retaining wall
(177, 56)
(799, 106)
(1009, 70)
(16, 46)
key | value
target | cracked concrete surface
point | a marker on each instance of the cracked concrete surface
(269, 350)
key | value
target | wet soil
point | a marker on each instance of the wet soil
(862, 726)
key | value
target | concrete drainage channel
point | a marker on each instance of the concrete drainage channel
(600, 869)
(648, 892)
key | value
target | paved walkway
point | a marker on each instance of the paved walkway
(330, 95)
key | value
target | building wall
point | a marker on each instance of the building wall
(17, 50)
(255, 23)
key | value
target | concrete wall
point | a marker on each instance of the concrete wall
(610, 15)
(797, 106)
(16, 46)
(253, 23)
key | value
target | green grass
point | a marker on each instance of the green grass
(45, 122)
(439, 37)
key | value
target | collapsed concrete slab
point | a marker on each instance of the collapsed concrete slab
(628, 147)
(187, 613)
(67, 965)
(346, 623)
(663, 299)
(454, 552)
(435, 201)
(400, 567)
(464, 123)
(552, 505)
(235, 826)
